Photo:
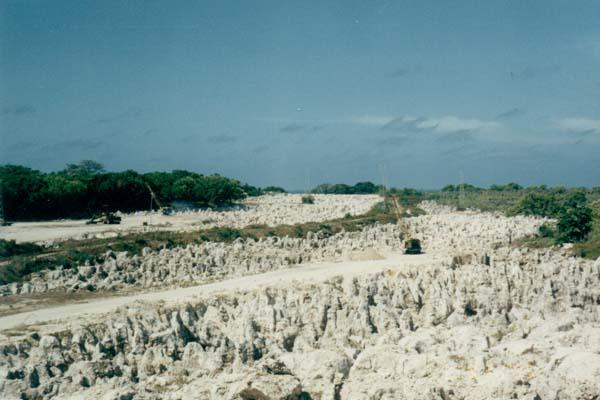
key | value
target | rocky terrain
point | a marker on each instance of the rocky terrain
(273, 209)
(208, 261)
(441, 230)
(490, 321)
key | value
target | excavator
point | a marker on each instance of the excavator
(164, 210)
(107, 217)
(111, 218)
(411, 245)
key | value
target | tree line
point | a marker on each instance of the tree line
(83, 189)
(342, 188)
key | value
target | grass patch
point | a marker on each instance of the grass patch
(10, 248)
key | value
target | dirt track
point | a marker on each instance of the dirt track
(317, 272)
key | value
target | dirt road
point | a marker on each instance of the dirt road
(317, 272)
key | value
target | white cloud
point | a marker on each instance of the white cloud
(579, 124)
(450, 124)
(371, 120)
(446, 124)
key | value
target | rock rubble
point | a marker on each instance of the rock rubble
(209, 261)
(440, 231)
(521, 327)
(490, 321)
(268, 210)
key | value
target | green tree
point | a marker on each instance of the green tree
(216, 190)
(365, 188)
(84, 168)
(21, 188)
(183, 188)
(63, 195)
(574, 224)
(511, 186)
(575, 218)
(162, 184)
(251, 191)
(83, 189)
(540, 204)
(124, 191)
(274, 189)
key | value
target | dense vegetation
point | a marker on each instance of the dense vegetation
(466, 187)
(342, 188)
(502, 198)
(83, 189)
(273, 189)
(9, 248)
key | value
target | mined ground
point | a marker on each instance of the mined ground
(270, 210)
(324, 315)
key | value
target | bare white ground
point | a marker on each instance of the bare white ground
(271, 210)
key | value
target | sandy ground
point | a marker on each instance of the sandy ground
(317, 272)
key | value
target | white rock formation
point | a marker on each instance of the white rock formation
(521, 327)
(441, 231)
(269, 210)
(492, 322)
(208, 262)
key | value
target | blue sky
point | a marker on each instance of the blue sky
(299, 93)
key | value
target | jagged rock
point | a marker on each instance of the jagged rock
(490, 322)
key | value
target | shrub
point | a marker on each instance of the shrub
(465, 187)
(574, 224)
(251, 191)
(508, 187)
(308, 199)
(298, 232)
(546, 231)
(9, 248)
(326, 230)
(595, 206)
(228, 234)
(539, 204)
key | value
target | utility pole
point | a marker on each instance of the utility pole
(307, 179)
(2, 220)
(461, 191)
(382, 171)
